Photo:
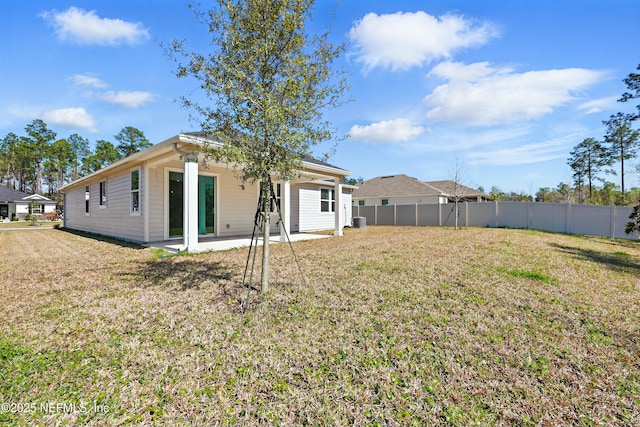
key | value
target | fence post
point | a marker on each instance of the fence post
(439, 214)
(395, 222)
(567, 222)
(529, 214)
(416, 214)
(613, 222)
(375, 214)
(497, 213)
(466, 214)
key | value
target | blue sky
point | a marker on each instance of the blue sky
(506, 88)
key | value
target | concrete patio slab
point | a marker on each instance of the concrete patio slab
(224, 243)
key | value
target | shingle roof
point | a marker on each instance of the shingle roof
(10, 195)
(394, 185)
(403, 186)
(308, 159)
(449, 187)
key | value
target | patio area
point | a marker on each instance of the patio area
(224, 243)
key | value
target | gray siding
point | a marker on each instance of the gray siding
(156, 204)
(307, 207)
(116, 218)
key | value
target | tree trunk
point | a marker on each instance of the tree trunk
(266, 211)
(456, 213)
(622, 168)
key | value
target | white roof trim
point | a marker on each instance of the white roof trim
(193, 140)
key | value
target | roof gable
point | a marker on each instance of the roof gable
(36, 197)
(395, 185)
(10, 195)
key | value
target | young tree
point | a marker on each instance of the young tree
(622, 140)
(269, 81)
(131, 140)
(457, 177)
(587, 159)
(40, 139)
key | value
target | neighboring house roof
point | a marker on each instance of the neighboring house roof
(449, 187)
(394, 185)
(402, 185)
(9, 195)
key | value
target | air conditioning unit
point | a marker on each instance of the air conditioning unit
(359, 222)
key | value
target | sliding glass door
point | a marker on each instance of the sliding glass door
(206, 204)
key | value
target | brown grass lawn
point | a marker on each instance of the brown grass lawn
(396, 326)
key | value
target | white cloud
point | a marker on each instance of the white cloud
(75, 118)
(404, 40)
(87, 80)
(387, 131)
(481, 95)
(597, 105)
(78, 26)
(552, 149)
(128, 99)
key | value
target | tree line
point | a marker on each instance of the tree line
(619, 145)
(593, 157)
(40, 162)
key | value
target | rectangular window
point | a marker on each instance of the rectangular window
(360, 202)
(36, 208)
(278, 191)
(385, 202)
(327, 200)
(135, 191)
(87, 197)
(103, 194)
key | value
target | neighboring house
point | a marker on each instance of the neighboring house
(167, 192)
(405, 190)
(14, 203)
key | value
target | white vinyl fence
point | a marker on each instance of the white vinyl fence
(605, 221)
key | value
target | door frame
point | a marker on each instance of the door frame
(216, 202)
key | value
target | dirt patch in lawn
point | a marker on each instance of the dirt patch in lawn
(395, 326)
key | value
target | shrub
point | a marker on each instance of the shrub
(633, 226)
(50, 216)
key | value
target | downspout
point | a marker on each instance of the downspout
(177, 150)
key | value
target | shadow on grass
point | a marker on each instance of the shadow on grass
(181, 273)
(103, 238)
(617, 261)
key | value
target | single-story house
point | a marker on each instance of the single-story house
(405, 190)
(167, 192)
(15, 204)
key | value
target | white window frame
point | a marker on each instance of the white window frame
(134, 191)
(87, 200)
(330, 201)
(37, 209)
(102, 197)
